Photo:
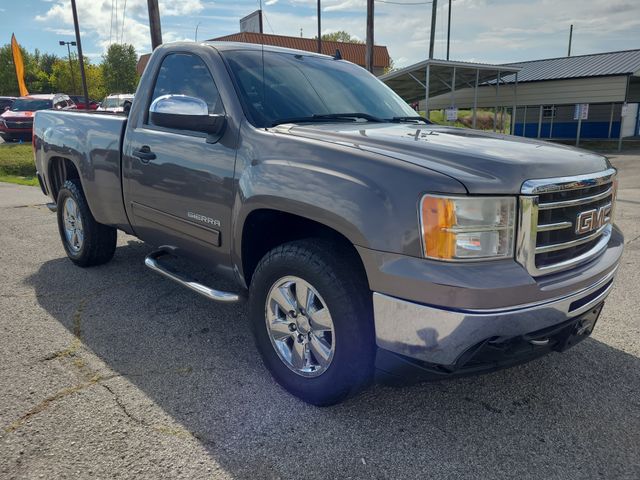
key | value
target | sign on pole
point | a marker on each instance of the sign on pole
(625, 109)
(451, 114)
(581, 112)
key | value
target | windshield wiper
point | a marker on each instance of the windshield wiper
(327, 117)
(409, 119)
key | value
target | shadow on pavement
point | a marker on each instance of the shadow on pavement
(569, 415)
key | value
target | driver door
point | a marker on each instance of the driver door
(178, 185)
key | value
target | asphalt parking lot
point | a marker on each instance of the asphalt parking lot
(115, 372)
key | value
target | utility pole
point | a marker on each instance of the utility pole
(197, 31)
(319, 30)
(73, 77)
(434, 7)
(570, 38)
(369, 52)
(76, 25)
(154, 24)
(449, 30)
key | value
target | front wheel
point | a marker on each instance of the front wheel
(311, 314)
(86, 241)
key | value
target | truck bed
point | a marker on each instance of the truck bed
(93, 141)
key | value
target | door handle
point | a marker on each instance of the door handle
(144, 153)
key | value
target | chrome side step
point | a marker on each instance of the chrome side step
(152, 262)
(53, 207)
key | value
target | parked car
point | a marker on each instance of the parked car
(367, 241)
(17, 121)
(6, 102)
(116, 102)
(79, 101)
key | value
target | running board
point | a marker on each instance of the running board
(52, 207)
(152, 262)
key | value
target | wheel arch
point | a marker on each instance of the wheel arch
(59, 170)
(282, 227)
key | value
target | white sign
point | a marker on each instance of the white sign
(581, 111)
(451, 114)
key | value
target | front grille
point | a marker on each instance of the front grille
(20, 124)
(565, 221)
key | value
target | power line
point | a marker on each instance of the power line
(403, 3)
(124, 10)
(111, 24)
(264, 14)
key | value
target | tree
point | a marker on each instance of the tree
(62, 82)
(340, 36)
(119, 69)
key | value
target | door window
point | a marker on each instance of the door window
(186, 74)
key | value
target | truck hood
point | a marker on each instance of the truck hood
(21, 115)
(483, 162)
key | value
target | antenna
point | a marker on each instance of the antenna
(264, 100)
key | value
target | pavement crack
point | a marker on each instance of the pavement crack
(47, 402)
(487, 406)
(122, 406)
(632, 240)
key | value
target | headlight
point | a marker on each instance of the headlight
(467, 228)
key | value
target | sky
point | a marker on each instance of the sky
(491, 31)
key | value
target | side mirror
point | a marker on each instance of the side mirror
(182, 112)
(126, 107)
(8, 107)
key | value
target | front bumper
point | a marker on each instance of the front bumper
(442, 336)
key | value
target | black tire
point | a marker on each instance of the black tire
(340, 281)
(99, 242)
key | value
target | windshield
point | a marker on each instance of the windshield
(298, 86)
(30, 105)
(115, 102)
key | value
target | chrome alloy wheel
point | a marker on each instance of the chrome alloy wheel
(300, 326)
(72, 220)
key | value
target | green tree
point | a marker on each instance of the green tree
(62, 80)
(340, 36)
(8, 80)
(65, 78)
(119, 69)
(37, 70)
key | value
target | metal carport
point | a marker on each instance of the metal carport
(432, 77)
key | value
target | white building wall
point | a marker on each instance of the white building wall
(559, 92)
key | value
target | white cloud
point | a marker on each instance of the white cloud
(491, 31)
(97, 20)
(61, 31)
(270, 2)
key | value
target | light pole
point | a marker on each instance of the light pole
(68, 44)
(197, 30)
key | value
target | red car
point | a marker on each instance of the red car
(79, 101)
(16, 122)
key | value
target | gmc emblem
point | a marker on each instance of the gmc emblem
(593, 219)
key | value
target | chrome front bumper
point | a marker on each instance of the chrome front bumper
(441, 336)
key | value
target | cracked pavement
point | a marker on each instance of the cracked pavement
(115, 372)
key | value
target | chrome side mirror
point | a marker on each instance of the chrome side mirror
(182, 112)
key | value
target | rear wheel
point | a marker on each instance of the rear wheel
(86, 241)
(310, 309)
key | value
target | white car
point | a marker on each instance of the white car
(115, 102)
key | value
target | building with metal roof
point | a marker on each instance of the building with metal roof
(352, 52)
(588, 96)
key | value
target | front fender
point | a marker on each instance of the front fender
(370, 199)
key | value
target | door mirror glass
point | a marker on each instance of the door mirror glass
(182, 112)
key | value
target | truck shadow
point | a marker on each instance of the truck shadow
(197, 362)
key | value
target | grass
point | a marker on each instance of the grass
(16, 164)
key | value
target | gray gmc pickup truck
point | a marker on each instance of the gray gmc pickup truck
(369, 242)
